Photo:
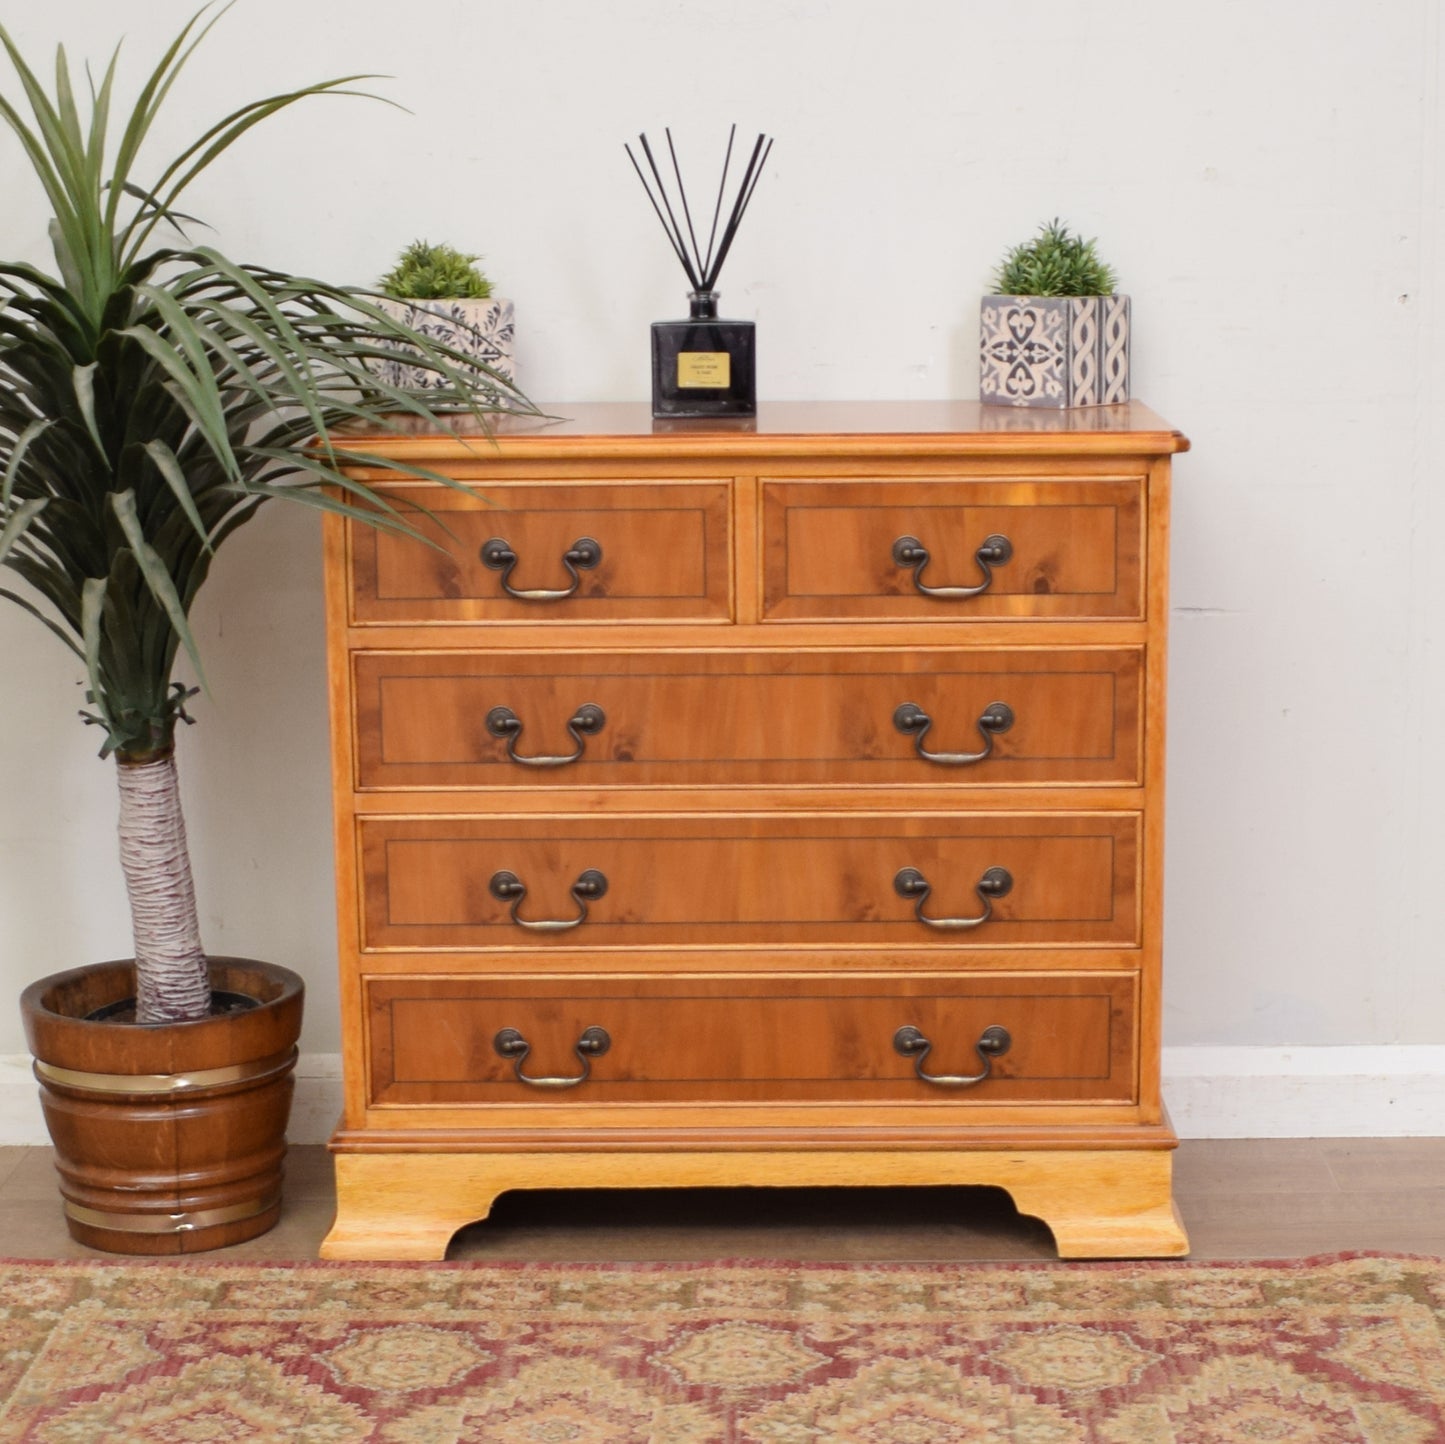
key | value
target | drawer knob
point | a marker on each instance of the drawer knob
(587, 719)
(583, 555)
(910, 718)
(593, 1043)
(908, 551)
(507, 887)
(995, 883)
(993, 1043)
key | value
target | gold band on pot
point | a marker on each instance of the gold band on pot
(171, 1222)
(163, 1082)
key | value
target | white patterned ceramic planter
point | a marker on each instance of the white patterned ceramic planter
(479, 328)
(1054, 350)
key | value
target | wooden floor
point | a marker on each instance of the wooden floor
(1241, 1199)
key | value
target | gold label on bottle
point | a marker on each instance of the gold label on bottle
(709, 369)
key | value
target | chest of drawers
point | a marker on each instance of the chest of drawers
(756, 803)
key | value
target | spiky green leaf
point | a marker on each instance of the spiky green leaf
(18, 521)
(92, 605)
(170, 469)
(157, 576)
(17, 454)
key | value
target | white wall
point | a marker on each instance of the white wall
(1265, 175)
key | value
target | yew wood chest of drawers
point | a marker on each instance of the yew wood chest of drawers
(759, 803)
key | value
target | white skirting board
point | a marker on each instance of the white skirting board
(1357, 1092)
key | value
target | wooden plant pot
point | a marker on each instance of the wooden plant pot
(169, 1138)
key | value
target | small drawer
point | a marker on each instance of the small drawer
(1070, 1037)
(947, 717)
(994, 880)
(563, 552)
(952, 550)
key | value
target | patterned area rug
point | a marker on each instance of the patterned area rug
(1339, 1349)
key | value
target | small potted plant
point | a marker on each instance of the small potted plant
(439, 292)
(152, 399)
(1056, 333)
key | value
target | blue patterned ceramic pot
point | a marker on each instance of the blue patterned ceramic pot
(483, 329)
(1054, 350)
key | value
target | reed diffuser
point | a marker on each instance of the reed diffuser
(702, 366)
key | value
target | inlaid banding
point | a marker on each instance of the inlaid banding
(165, 1082)
(163, 1223)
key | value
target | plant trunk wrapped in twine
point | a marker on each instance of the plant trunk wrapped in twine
(172, 980)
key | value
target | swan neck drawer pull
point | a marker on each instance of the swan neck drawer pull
(908, 551)
(583, 555)
(507, 887)
(995, 883)
(593, 1043)
(993, 1043)
(587, 719)
(911, 719)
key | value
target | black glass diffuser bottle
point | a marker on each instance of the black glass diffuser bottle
(703, 366)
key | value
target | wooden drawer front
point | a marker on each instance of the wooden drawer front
(664, 555)
(828, 548)
(1072, 1038)
(775, 718)
(751, 880)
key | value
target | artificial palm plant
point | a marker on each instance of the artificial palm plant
(152, 399)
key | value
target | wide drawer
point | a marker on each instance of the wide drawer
(856, 549)
(435, 1040)
(958, 880)
(979, 717)
(649, 552)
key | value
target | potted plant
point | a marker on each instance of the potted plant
(152, 399)
(438, 291)
(1056, 333)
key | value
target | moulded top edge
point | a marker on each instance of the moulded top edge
(782, 428)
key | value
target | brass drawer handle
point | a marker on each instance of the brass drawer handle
(593, 1043)
(908, 551)
(995, 883)
(507, 887)
(583, 555)
(995, 718)
(587, 719)
(993, 1043)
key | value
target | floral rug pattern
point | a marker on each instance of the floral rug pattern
(1332, 1350)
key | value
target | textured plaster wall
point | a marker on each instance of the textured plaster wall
(1265, 176)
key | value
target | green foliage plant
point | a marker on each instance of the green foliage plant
(1054, 263)
(424, 272)
(152, 399)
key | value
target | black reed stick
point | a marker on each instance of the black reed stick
(677, 229)
(681, 190)
(721, 186)
(671, 238)
(745, 194)
(702, 271)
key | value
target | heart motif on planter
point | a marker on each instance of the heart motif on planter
(1021, 380)
(1021, 324)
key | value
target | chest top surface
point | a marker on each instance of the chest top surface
(784, 428)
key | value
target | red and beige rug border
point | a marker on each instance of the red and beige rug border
(1334, 1348)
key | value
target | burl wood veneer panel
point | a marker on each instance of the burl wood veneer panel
(749, 718)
